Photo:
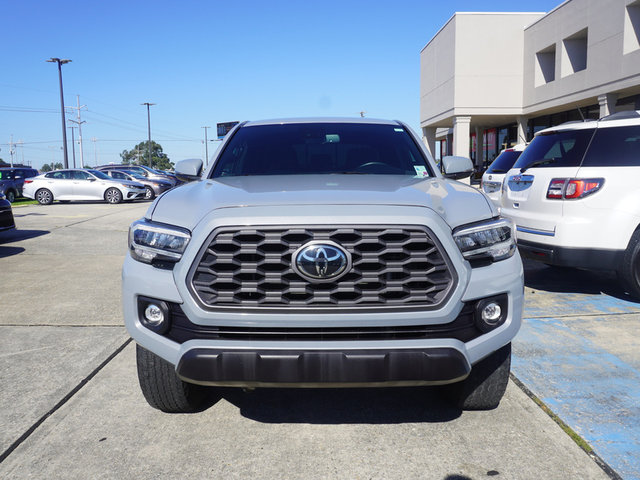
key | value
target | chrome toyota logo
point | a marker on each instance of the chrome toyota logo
(321, 261)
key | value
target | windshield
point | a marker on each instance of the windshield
(504, 162)
(100, 175)
(321, 148)
(556, 149)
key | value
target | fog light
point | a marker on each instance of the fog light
(491, 313)
(154, 315)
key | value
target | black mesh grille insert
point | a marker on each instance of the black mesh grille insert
(251, 267)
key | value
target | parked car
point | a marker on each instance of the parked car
(6, 215)
(152, 187)
(141, 170)
(76, 184)
(12, 180)
(322, 253)
(491, 182)
(575, 199)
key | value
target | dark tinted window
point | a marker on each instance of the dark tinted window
(614, 147)
(6, 175)
(321, 148)
(60, 174)
(78, 175)
(562, 149)
(118, 175)
(504, 162)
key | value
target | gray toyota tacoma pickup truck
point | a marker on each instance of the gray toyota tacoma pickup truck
(322, 253)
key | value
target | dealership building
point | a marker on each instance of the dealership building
(491, 80)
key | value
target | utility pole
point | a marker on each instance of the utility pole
(206, 147)
(61, 62)
(11, 149)
(149, 127)
(79, 122)
(73, 146)
(95, 149)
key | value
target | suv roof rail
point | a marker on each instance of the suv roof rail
(621, 115)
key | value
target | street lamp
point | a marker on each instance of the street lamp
(149, 126)
(61, 62)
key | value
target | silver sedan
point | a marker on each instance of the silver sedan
(76, 184)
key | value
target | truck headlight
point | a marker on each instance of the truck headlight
(489, 241)
(156, 243)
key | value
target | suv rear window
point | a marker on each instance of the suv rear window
(321, 148)
(504, 162)
(556, 149)
(614, 147)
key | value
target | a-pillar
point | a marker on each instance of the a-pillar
(461, 133)
(429, 139)
(607, 103)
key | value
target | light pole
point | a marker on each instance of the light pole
(149, 127)
(61, 62)
(206, 147)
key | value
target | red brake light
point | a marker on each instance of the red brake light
(573, 188)
(28, 181)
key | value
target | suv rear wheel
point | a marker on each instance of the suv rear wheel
(485, 386)
(161, 386)
(629, 271)
(11, 196)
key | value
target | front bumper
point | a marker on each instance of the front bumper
(260, 368)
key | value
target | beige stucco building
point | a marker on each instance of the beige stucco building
(491, 80)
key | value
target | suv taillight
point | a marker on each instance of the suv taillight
(572, 188)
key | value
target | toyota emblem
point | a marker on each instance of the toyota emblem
(321, 261)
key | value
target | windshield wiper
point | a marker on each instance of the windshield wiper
(543, 161)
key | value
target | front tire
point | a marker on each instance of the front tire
(113, 195)
(629, 270)
(44, 196)
(11, 196)
(162, 388)
(149, 194)
(485, 386)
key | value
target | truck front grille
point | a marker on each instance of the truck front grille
(391, 266)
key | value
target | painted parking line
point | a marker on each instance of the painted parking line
(590, 388)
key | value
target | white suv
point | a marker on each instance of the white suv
(574, 195)
(492, 179)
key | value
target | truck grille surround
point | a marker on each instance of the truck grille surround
(394, 266)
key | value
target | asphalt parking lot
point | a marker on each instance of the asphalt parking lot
(72, 408)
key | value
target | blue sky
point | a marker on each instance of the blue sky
(204, 62)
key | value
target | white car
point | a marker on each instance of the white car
(491, 182)
(76, 184)
(574, 196)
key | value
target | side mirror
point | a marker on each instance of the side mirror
(189, 170)
(455, 168)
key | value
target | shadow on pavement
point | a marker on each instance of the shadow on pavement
(17, 235)
(343, 406)
(10, 251)
(572, 280)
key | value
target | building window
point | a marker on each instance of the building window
(545, 65)
(574, 53)
(632, 27)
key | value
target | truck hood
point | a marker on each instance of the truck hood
(455, 202)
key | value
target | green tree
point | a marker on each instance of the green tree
(139, 155)
(47, 167)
